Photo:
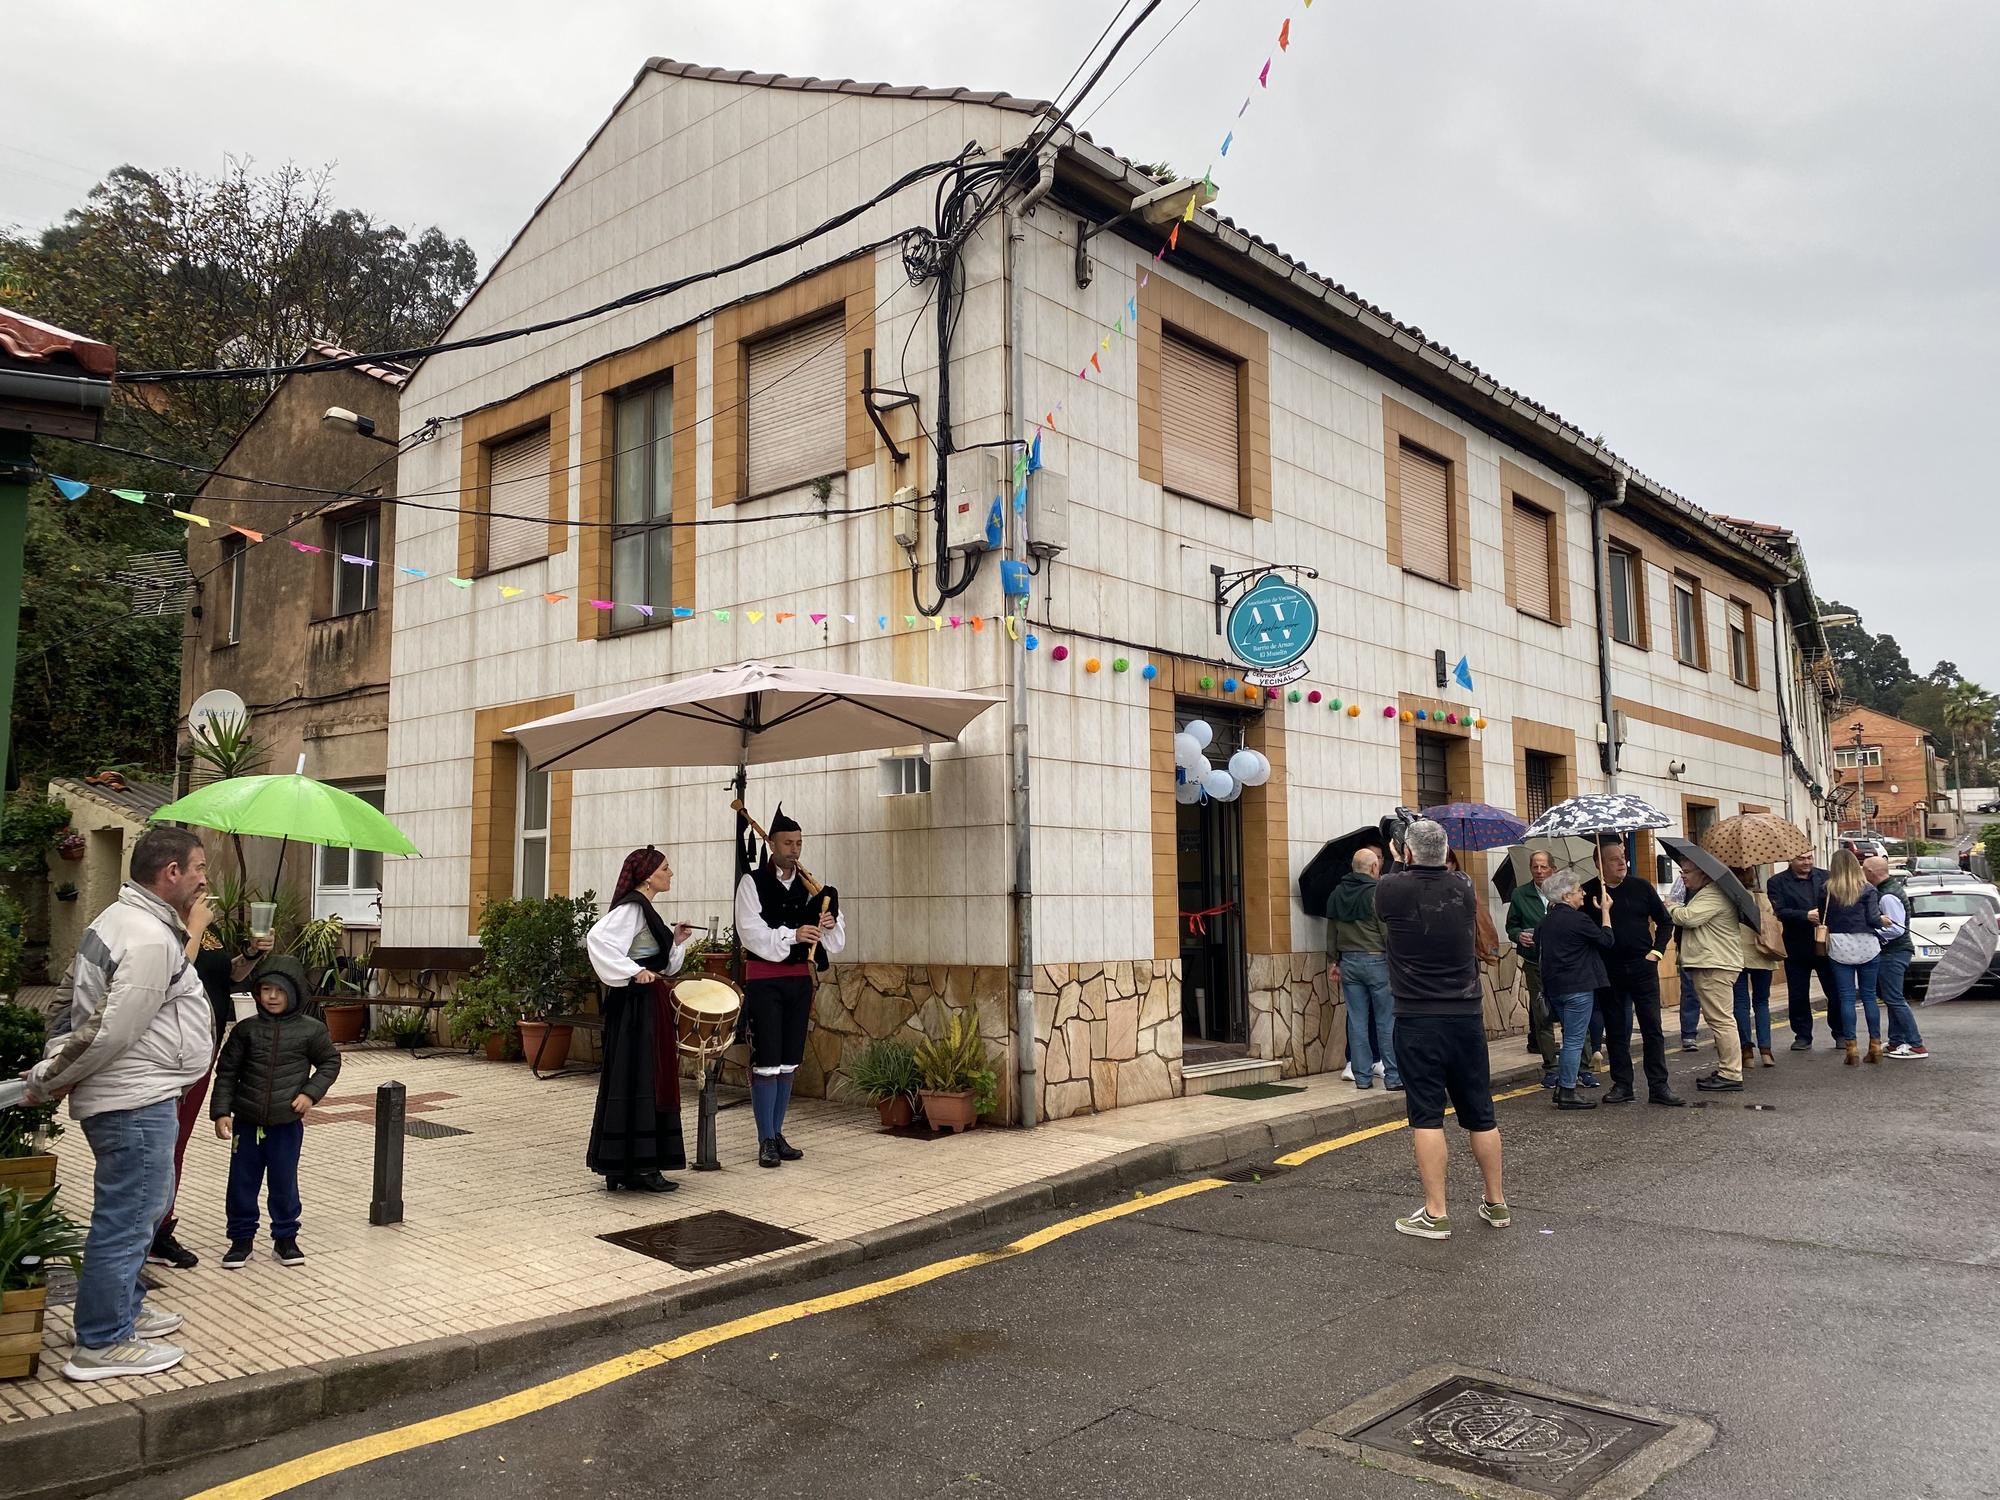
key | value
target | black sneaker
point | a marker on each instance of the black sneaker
(287, 1253)
(767, 1153)
(237, 1256)
(1802, 1044)
(168, 1251)
(786, 1150)
(1715, 1083)
(1689, 1044)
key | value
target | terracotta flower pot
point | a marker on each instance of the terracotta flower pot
(953, 1111)
(716, 965)
(496, 1047)
(551, 1057)
(896, 1111)
(344, 1020)
(29, 1175)
(21, 1332)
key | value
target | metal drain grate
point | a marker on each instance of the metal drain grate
(704, 1240)
(1252, 1174)
(430, 1130)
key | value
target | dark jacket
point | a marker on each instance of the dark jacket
(1639, 922)
(1791, 899)
(1433, 957)
(1525, 911)
(271, 1059)
(1862, 916)
(1573, 943)
(1352, 925)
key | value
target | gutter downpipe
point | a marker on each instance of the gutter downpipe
(1601, 563)
(1781, 650)
(1026, 1081)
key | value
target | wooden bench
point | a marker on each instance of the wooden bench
(430, 973)
(579, 1021)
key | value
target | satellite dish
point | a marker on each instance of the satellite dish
(214, 706)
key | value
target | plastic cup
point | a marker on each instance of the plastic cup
(263, 917)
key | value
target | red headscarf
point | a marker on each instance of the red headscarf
(639, 864)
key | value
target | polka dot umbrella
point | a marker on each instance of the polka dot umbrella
(1752, 839)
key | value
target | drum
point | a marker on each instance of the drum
(705, 1012)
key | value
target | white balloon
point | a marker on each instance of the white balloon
(1243, 766)
(1259, 773)
(1186, 751)
(1198, 731)
(1235, 790)
(1219, 784)
(1187, 793)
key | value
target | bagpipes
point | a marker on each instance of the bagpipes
(749, 833)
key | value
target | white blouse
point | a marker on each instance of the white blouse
(621, 944)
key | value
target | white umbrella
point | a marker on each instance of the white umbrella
(753, 714)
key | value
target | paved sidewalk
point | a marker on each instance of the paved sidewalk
(502, 1222)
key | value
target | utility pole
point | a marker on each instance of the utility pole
(1860, 780)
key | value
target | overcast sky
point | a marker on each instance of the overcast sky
(1753, 243)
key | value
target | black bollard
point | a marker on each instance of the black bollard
(705, 1159)
(387, 1205)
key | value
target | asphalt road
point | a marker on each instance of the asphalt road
(1820, 1281)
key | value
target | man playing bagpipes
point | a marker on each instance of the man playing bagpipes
(789, 926)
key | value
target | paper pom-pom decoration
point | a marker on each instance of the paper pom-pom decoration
(1312, 697)
(1451, 718)
(1354, 710)
(1229, 684)
(1061, 653)
(1408, 717)
(1478, 723)
(1149, 671)
(1207, 683)
(1421, 714)
(1119, 664)
(1272, 693)
(1336, 703)
(1092, 664)
(1388, 713)
(1032, 641)
(1296, 695)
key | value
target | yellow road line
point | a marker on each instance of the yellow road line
(363, 1450)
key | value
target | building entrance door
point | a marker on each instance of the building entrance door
(1215, 1015)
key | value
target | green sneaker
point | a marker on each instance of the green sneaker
(1496, 1214)
(1424, 1227)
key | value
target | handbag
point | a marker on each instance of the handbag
(1820, 936)
(1770, 933)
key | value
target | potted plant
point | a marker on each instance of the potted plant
(403, 1025)
(958, 1083)
(479, 1015)
(885, 1073)
(66, 891)
(335, 985)
(535, 953)
(26, 1163)
(70, 845)
(34, 1234)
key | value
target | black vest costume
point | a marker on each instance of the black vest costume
(794, 908)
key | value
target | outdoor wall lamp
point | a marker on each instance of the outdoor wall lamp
(1161, 206)
(1677, 769)
(340, 416)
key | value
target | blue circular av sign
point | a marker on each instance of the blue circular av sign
(1272, 625)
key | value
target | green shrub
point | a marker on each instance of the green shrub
(25, 1128)
(535, 953)
(884, 1069)
(479, 1010)
(29, 828)
(956, 1062)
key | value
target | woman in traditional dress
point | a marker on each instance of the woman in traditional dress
(637, 1128)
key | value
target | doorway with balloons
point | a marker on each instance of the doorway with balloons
(1214, 765)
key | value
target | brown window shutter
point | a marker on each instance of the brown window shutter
(518, 484)
(1200, 445)
(796, 422)
(1533, 590)
(1426, 488)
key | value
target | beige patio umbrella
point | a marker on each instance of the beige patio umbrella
(1751, 839)
(759, 713)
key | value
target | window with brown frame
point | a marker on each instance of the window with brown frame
(1742, 644)
(1201, 450)
(796, 424)
(1690, 634)
(1532, 559)
(516, 529)
(1427, 508)
(1539, 777)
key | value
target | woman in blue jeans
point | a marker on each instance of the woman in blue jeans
(1572, 946)
(1853, 920)
(1753, 985)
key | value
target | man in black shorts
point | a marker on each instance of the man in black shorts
(1440, 1036)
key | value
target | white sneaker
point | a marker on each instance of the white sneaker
(1348, 1072)
(155, 1323)
(1904, 1052)
(1381, 1070)
(133, 1357)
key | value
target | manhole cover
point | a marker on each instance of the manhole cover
(703, 1240)
(1253, 1174)
(1511, 1437)
(1257, 1091)
(430, 1130)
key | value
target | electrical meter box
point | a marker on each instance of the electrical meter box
(1048, 512)
(972, 506)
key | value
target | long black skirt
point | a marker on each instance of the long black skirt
(637, 1127)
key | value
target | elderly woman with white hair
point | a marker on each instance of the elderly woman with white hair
(1572, 946)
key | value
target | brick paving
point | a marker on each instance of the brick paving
(501, 1224)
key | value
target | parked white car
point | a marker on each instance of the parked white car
(1937, 909)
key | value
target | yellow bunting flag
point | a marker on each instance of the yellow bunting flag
(1013, 628)
(753, 615)
(508, 591)
(1188, 217)
(187, 515)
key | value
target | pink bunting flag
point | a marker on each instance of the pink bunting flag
(1264, 77)
(954, 622)
(602, 604)
(817, 619)
(255, 536)
(306, 547)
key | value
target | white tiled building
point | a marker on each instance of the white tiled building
(1251, 414)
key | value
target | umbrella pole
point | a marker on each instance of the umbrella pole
(706, 1158)
(279, 878)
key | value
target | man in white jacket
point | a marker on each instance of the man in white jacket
(135, 1033)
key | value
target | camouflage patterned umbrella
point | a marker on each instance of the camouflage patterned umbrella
(1964, 962)
(1752, 839)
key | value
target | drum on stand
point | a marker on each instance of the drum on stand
(705, 1012)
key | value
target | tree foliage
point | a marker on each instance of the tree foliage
(1958, 715)
(179, 270)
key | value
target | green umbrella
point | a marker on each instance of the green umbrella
(288, 807)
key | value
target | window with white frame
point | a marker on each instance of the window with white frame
(357, 547)
(232, 615)
(1623, 567)
(1742, 665)
(1688, 643)
(1847, 759)
(347, 883)
(531, 833)
(642, 502)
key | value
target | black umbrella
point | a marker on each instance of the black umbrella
(1330, 866)
(1718, 873)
